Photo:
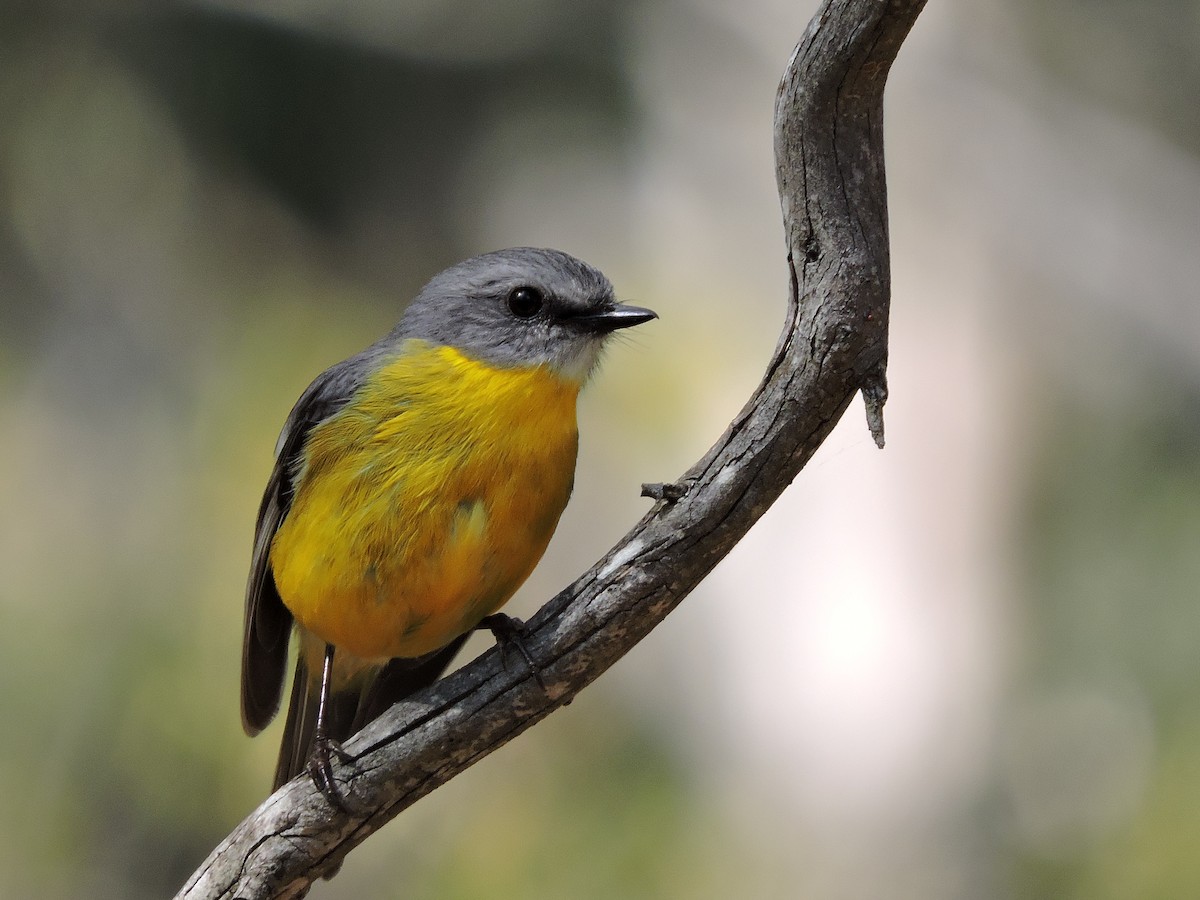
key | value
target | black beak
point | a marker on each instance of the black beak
(619, 315)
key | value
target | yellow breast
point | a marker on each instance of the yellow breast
(423, 504)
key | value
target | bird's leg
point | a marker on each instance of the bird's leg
(510, 632)
(324, 748)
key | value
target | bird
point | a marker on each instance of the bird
(415, 486)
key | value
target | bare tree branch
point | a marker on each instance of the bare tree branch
(829, 155)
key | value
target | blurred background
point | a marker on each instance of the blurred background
(965, 667)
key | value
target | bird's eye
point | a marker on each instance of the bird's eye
(525, 302)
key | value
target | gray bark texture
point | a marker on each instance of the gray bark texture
(829, 158)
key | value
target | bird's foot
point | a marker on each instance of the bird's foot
(320, 770)
(510, 632)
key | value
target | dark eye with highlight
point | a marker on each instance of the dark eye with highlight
(525, 302)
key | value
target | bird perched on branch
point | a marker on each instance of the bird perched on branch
(416, 485)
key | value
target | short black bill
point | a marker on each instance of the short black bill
(620, 315)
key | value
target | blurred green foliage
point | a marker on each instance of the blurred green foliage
(1113, 523)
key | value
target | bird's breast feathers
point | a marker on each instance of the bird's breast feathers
(425, 502)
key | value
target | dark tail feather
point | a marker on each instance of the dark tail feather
(296, 746)
(402, 677)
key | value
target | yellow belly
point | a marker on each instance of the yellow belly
(426, 502)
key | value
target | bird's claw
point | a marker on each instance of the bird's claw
(510, 632)
(320, 770)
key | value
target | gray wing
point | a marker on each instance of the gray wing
(268, 622)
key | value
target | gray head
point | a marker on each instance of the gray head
(521, 307)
